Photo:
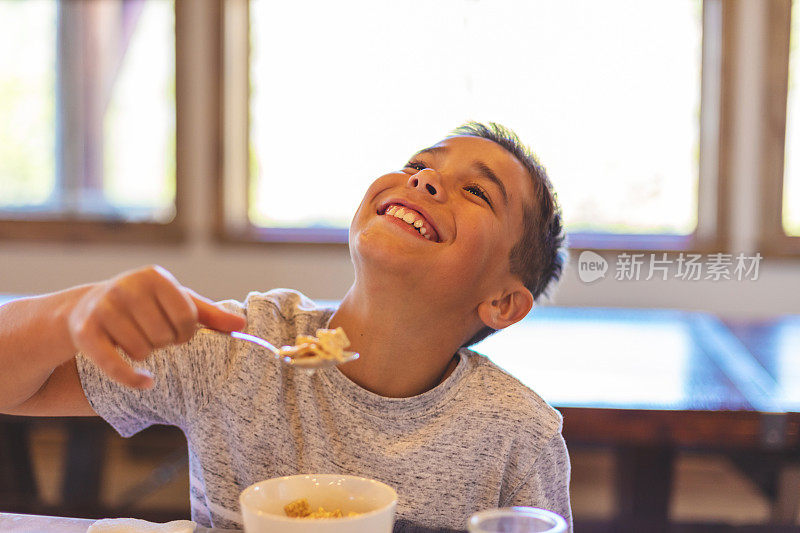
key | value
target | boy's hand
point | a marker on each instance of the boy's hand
(140, 311)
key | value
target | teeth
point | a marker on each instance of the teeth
(409, 217)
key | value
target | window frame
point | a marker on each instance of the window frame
(43, 225)
(710, 235)
(774, 241)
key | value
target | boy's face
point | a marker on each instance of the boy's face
(466, 195)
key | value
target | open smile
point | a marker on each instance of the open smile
(410, 218)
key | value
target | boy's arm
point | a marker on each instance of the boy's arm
(547, 483)
(36, 352)
(60, 395)
(137, 311)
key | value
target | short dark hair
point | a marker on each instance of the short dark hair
(539, 255)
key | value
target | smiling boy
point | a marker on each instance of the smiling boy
(457, 244)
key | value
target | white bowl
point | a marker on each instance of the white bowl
(262, 504)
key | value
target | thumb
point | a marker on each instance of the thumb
(214, 317)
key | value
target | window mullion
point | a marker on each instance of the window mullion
(236, 120)
(69, 107)
(712, 127)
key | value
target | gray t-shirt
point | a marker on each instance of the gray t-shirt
(478, 440)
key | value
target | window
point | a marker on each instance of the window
(780, 232)
(791, 183)
(27, 102)
(88, 99)
(607, 95)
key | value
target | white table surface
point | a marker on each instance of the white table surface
(24, 523)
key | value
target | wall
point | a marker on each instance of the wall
(224, 271)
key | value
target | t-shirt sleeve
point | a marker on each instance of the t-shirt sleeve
(185, 377)
(547, 482)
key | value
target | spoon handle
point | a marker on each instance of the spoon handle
(246, 337)
(257, 340)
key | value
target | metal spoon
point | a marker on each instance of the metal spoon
(308, 363)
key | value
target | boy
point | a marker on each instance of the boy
(455, 245)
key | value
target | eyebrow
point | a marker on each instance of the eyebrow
(489, 174)
(433, 150)
(483, 169)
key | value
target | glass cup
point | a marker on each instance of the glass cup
(516, 520)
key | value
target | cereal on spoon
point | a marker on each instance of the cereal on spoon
(328, 344)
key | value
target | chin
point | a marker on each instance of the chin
(374, 251)
(372, 246)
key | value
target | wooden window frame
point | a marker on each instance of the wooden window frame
(51, 226)
(711, 234)
(773, 239)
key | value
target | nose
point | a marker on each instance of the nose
(428, 181)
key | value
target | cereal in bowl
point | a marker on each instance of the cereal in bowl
(302, 509)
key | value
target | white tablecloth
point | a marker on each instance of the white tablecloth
(24, 523)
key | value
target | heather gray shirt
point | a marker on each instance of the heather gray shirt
(478, 440)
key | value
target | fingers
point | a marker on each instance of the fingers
(97, 343)
(120, 328)
(176, 304)
(139, 311)
(212, 316)
(186, 309)
(151, 319)
(181, 312)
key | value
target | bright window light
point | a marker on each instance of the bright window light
(87, 96)
(606, 93)
(27, 102)
(791, 181)
(139, 125)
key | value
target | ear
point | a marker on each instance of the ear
(507, 309)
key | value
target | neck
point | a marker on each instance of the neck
(406, 349)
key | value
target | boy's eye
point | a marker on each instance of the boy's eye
(479, 192)
(416, 165)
